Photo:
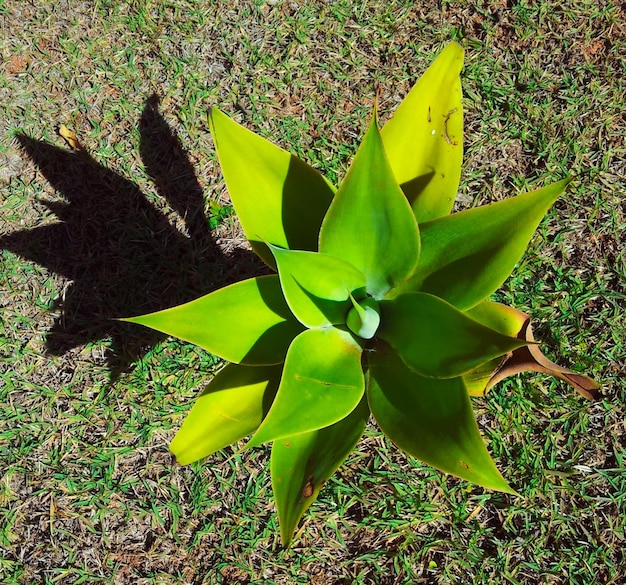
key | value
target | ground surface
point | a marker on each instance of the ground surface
(139, 220)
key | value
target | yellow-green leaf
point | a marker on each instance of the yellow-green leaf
(317, 286)
(231, 407)
(248, 322)
(429, 419)
(506, 320)
(467, 256)
(369, 223)
(278, 198)
(322, 383)
(435, 339)
(424, 137)
(302, 463)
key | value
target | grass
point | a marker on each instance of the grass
(140, 220)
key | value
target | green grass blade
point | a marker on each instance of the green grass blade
(430, 419)
(278, 198)
(322, 383)
(435, 339)
(302, 463)
(424, 137)
(231, 407)
(467, 256)
(370, 223)
(248, 322)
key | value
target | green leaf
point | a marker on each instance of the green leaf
(278, 197)
(231, 407)
(302, 463)
(506, 320)
(467, 256)
(364, 317)
(317, 286)
(370, 223)
(322, 383)
(248, 322)
(435, 339)
(430, 419)
(424, 137)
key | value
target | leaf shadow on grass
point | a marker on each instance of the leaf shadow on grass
(122, 254)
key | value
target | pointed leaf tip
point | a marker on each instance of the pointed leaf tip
(259, 323)
(278, 197)
(370, 223)
(431, 115)
(467, 256)
(301, 464)
(231, 407)
(430, 419)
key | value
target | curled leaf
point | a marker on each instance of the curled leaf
(364, 317)
(70, 137)
(528, 358)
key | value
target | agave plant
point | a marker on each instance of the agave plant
(378, 305)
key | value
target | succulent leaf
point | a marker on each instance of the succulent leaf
(302, 463)
(502, 318)
(467, 256)
(430, 419)
(231, 407)
(370, 223)
(364, 317)
(437, 340)
(278, 198)
(506, 320)
(253, 311)
(322, 383)
(317, 286)
(424, 137)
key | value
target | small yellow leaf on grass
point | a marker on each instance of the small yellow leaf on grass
(70, 137)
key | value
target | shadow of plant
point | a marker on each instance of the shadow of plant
(122, 254)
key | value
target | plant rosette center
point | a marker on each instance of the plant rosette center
(381, 262)
(363, 317)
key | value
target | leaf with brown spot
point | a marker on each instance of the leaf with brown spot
(299, 471)
(307, 492)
